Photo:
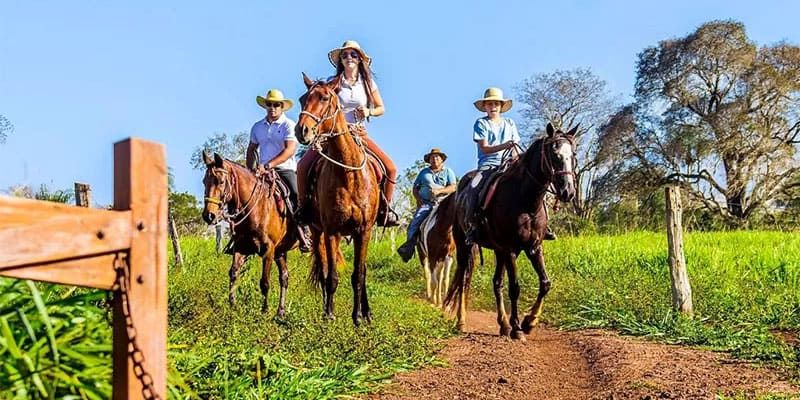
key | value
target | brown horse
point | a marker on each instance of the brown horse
(346, 194)
(435, 247)
(259, 221)
(514, 221)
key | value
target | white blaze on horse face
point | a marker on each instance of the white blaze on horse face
(564, 152)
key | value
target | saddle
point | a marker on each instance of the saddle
(279, 190)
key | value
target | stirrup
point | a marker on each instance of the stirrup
(387, 217)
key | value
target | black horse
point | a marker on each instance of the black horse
(514, 220)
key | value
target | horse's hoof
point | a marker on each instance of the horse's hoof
(328, 317)
(527, 326)
(505, 330)
(518, 335)
(281, 313)
(462, 327)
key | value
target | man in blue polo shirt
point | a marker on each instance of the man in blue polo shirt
(433, 183)
(274, 140)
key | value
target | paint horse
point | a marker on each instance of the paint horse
(259, 220)
(513, 221)
(435, 248)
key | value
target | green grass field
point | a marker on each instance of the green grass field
(55, 342)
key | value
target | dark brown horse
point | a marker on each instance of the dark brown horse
(514, 221)
(345, 196)
(435, 247)
(259, 221)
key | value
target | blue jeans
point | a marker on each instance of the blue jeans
(419, 216)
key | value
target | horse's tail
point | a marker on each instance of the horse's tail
(461, 281)
(317, 274)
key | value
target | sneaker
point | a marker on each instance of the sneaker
(388, 218)
(549, 235)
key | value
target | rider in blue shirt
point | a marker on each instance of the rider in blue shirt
(432, 183)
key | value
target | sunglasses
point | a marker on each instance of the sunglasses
(350, 54)
(275, 105)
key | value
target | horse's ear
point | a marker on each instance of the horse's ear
(307, 81)
(573, 131)
(335, 83)
(550, 130)
(217, 160)
(207, 158)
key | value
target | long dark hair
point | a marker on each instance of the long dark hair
(366, 76)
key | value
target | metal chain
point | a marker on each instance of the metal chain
(122, 287)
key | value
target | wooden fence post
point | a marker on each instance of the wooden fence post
(83, 195)
(681, 289)
(140, 185)
(173, 235)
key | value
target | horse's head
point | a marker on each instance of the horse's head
(320, 106)
(556, 161)
(218, 181)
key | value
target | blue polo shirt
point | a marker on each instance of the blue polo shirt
(427, 180)
(494, 133)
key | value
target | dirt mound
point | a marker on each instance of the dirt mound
(578, 365)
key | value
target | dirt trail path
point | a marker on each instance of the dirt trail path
(578, 365)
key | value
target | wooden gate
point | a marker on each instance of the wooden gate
(102, 249)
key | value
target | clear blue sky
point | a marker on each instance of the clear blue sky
(77, 76)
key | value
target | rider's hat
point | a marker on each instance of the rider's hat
(274, 96)
(433, 151)
(493, 94)
(334, 54)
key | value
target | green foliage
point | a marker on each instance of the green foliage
(5, 128)
(186, 212)
(232, 147)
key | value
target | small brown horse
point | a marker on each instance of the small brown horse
(515, 221)
(435, 247)
(345, 196)
(259, 223)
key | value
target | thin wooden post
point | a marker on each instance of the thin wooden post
(140, 185)
(83, 195)
(218, 236)
(173, 235)
(681, 289)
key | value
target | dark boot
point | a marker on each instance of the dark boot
(549, 235)
(471, 235)
(406, 250)
(303, 239)
(387, 217)
(303, 213)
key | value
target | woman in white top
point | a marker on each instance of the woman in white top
(360, 99)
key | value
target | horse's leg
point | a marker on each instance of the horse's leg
(500, 262)
(320, 266)
(513, 293)
(537, 259)
(448, 262)
(283, 278)
(360, 248)
(236, 265)
(440, 285)
(426, 268)
(266, 268)
(332, 277)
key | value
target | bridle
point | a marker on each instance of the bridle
(230, 192)
(546, 163)
(321, 138)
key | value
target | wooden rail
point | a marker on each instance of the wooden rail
(69, 245)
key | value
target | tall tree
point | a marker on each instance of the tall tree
(232, 147)
(722, 115)
(567, 98)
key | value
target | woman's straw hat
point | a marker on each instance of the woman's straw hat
(334, 55)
